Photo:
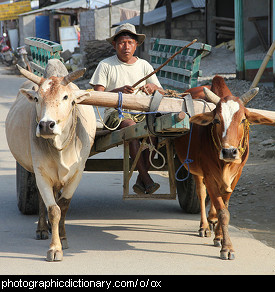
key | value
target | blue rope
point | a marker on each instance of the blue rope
(187, 161)
(119, 108)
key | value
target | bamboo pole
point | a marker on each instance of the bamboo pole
(263, 65)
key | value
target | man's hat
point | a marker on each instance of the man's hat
(127, 27)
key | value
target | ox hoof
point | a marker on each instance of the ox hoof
(204, 232)
(42, 234)
(54, 255)
(227, 255)
(217, 242)
(64, 243)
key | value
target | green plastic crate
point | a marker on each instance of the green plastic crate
(42, 51)
(182, 72)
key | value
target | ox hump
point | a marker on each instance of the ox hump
(228, 110)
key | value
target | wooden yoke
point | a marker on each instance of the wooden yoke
(142, 103)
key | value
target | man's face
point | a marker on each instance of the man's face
(125, 47)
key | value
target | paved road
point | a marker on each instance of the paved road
(110, 236)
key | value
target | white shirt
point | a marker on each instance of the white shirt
(112, 73)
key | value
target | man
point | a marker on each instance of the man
(117, 74)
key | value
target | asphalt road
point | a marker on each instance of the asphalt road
(107, 235)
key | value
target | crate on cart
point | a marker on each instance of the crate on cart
(41, 52)
(182, 72)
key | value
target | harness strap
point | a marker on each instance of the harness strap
(150, 118)
(187, 107)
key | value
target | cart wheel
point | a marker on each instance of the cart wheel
(187, 195)
(27, 191)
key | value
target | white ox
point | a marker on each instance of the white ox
(51, 135)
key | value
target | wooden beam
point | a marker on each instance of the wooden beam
(142, 103)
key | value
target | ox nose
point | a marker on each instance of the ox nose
(46, 127)
(229, 153)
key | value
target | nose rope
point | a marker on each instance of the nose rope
(74, 107)
(73, 131)
(244, 140)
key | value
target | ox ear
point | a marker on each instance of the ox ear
(80, 95)
(258, 119)
(203, 119)
(29, 94)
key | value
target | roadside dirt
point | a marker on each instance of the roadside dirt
(252, 204)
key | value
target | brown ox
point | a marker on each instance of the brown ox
(219, 150)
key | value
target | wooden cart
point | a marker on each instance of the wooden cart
(179, 74)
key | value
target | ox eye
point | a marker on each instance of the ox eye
(216, 121)
(35, 99)
(243, 121)
(65, 97)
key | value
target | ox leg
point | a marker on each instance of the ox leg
(42, 226)
(218, 230)
(227, 251)
(221, 231)
(204, 230)
(55, 252)
(64, 203)
(212, 217)
(64, 206)
(54, 214)
(218, 235)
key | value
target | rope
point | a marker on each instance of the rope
(243, 142)
(187, 161)
(111, 129)
(152, 148)
(72, 132)
(119, 108)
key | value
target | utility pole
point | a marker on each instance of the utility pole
(239, 39)
(168, 20)
(140, 27)
(110, 18)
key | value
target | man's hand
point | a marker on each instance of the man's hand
(125, 89)
(150, 88)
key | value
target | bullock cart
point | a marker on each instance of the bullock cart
(179, 74)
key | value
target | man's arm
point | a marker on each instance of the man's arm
(124, 89)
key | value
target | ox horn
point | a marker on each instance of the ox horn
(211, 96)
(73, 76)
(246, 97)
(29, 75)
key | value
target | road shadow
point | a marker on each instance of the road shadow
(93, 222)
